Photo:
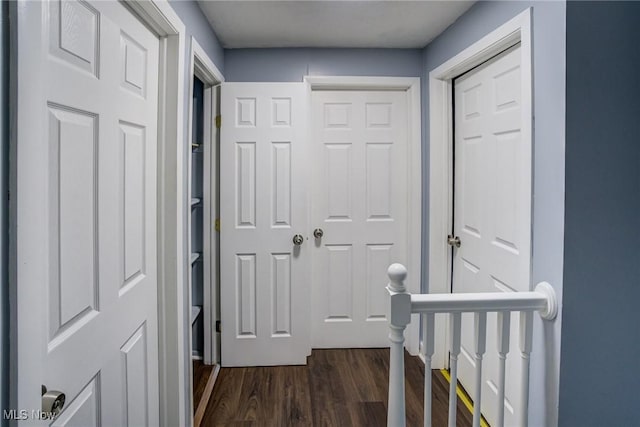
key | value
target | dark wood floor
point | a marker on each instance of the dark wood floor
(201, 373)
(335, 388)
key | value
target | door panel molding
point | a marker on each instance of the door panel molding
(517, 30)
(414, 220)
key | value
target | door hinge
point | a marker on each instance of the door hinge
(218, 121)
(453, 241)
(217, 225)
(218, 326)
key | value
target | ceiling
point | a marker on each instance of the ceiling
(330, 23)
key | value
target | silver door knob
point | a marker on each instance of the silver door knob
(298, 239)
(52, 402)
(453, 241)
(318, 233)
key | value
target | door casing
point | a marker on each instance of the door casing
(414, 223)
(174, 389)
(202, 66)
(517, 30)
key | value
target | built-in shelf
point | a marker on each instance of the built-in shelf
(195, 312)
(194, 257)
(195, 202)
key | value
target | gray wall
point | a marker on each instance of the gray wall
(600, 340)
(4, 146)
(290, 65)
(549, 133)
(198, 26)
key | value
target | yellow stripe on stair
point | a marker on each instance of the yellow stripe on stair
(463, 396)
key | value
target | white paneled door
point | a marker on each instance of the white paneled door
(86, 212)
(358, 198)
(264, 274)
(492, 211)
(348, 171)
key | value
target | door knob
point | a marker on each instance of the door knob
(453, 241)
(318, 233)
(297, 240)
(52, 402)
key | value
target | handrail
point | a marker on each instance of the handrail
(542, 300)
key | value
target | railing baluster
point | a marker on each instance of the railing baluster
(541, 300)
(400, 318)
(454, 351)
(504, 327)
(526, 338)
(480, 323)
(428, 332)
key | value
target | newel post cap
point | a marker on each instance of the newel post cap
(397, 273)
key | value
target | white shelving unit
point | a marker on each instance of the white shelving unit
(194, 257)
(195, 312)
(196, 223)
(202, 209)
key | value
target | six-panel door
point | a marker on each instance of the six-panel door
(92, 178)
(492, 212)
(264, 275)
(359, 198)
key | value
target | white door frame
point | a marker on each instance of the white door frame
(202, 66)
(174, 390)
(517, 30)
(414, 224)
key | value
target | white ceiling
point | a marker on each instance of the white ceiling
(326, 23)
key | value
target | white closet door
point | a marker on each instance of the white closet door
(492, 212)
(264, 275)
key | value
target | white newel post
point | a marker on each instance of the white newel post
(400, 318)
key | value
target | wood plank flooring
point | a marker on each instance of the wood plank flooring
(201, 374)
(346, 387)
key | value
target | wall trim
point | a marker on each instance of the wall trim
(516, 30)
(203, 66)
(173, 261)
(414, 224)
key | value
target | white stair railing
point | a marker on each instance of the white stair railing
(542, 300)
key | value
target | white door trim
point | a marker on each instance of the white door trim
(173, 387)
(517, 30)
(203, 67)
(414, 224)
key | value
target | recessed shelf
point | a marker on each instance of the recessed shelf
(195, 312)
(194, 257)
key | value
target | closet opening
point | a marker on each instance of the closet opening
(202, 234)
